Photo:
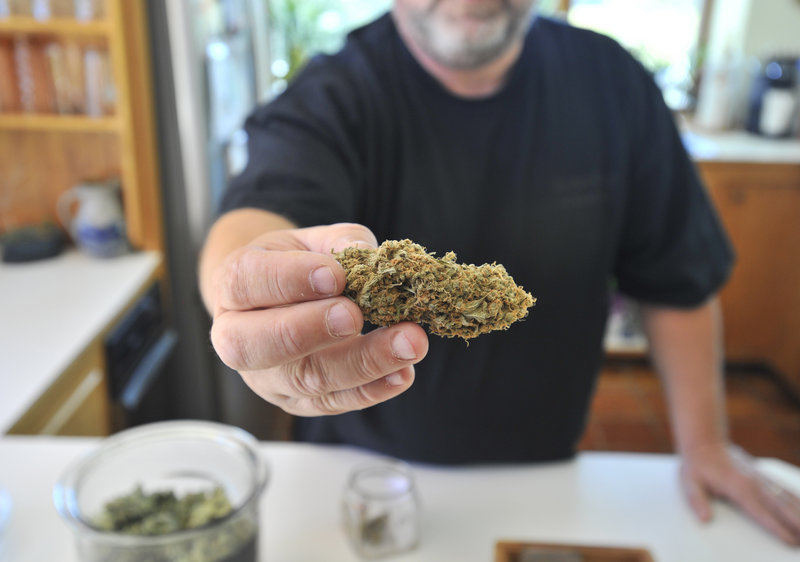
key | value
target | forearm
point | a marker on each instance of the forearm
(231, 231)
(686, 348)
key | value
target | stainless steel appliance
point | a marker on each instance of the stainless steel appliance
(211, 66)
(137, 351)
(775, 98)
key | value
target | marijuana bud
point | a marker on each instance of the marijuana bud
(400, 281)
(160, 513)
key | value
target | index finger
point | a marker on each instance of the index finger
(336, 237)
(784, 503)
(255, 277)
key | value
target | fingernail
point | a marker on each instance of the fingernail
(340, 322)
(323, 281)
(338, 247)
(395, 379)
(402, 348)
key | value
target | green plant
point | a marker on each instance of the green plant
(296, 25)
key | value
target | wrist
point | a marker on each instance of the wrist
(704, 445)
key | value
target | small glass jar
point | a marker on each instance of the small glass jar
(381, 509)
(178, 456)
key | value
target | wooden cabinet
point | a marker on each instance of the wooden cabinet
(75, 404)
(759, 205)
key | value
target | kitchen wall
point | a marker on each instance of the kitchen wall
(772, 26)
(754, 28)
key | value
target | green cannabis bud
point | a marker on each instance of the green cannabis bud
(401, 281)
(160, 513)
(220, 534)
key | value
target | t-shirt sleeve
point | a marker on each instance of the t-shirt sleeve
(302, 158)
(674, 250)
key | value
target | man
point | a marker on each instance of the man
(461, 125)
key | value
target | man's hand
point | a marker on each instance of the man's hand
(729, 473)
(280, 322)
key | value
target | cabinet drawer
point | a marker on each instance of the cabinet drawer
(76, 404)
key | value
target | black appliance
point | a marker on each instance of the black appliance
(136, 352)
(775, 97)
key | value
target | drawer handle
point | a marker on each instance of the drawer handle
(74, 402)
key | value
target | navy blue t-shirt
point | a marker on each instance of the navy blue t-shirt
(572, 175)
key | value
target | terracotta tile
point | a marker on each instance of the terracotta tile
(745, 407)
(662, 429)
(648, 383)
(624, 435)
(757, 396)
(629, 413)
(763, 440)
(790, 458)
(593, 438)
(763, 388)
(643, 371)
(787, 420)
(614, 383)
(618, 404)
(655, 403)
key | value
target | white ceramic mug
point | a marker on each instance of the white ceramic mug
(97, 224)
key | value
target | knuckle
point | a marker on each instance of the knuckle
(362, 397)
(368, 364)
(229, 345)
(235, 290)
(356, 398)
(277, 286)
(291, 405)
(743, 488)
(359, 230)
(287, 338)
(287, 403)
(355, 232)
(307, 380)
(329, 404)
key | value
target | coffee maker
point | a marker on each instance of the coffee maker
(775, 97)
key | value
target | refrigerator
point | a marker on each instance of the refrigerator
(211, 64)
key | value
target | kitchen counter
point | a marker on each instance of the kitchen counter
(51, 310)
(614, 499)
(738, 146)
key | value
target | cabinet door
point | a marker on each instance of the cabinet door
(759, 205)
(76, 404)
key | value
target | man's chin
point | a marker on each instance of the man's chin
(467, 51)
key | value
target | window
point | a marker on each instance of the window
(665, 35)
(301, 28)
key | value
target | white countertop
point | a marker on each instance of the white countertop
(739, 146)
(605, 499)
(51, 310)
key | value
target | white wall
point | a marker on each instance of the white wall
(754, 28)
(773, 28)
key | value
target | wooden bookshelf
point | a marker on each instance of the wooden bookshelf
(58, 123)
(62, 27)
(44, 154)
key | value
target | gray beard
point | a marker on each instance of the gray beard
(453, 51)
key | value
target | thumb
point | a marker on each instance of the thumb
(698, 497)
(336, 237)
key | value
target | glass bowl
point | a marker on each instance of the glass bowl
(5, 511)
(178, 456)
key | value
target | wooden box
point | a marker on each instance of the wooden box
(511, 551)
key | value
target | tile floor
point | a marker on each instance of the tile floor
(629, 413)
